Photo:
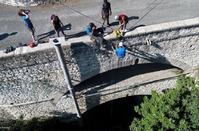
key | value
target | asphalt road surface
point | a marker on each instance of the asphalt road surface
(141, 12)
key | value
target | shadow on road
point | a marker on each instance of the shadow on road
(5, 35)
(52, 32)
(78, 34)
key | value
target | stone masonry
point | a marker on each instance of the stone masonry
(30, 75)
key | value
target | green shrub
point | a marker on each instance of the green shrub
(175, 109)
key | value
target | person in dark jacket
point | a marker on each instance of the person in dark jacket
(57, 24)
(106, 12)
(93, 31)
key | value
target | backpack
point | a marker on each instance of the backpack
(117, 33)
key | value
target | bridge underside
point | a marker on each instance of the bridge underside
(138, 79)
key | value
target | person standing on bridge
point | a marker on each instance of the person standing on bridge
(106, 12)
(57, 24)
(25, 17)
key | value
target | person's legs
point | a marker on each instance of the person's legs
(32, 31)
(99, 42)
(63, 32)
(124, 27)
(57, 32)
(104, 19)
(107, 19)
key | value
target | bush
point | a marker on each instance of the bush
(175, 109)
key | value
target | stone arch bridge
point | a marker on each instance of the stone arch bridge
(32, 82)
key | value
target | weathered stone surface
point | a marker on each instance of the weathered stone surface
(36, 75)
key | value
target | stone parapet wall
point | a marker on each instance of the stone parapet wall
(34, 74)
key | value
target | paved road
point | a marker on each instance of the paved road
(13, 31)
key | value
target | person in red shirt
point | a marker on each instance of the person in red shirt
(123, 20)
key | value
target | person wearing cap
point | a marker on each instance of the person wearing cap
(123, 20)
(120, 50)
(57, 24)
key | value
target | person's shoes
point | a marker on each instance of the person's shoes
(108, 25)
(125, 30)
(36, 42)
(66, 37)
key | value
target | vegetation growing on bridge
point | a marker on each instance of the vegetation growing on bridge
(175, 109)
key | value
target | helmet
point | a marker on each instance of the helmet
(121, 44)
(116, 17)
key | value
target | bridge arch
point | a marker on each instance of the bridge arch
(132, 80)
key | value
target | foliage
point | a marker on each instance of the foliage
(39, 124)
(175, 109)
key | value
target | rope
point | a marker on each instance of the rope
(80, 13)
(149, 10)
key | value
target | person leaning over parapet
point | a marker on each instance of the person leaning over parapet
(123, 20)
(25, 17)
(96, 35)
(57, 24)
(106, 12)
(93, 31)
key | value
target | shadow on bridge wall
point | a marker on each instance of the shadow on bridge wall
(155, 57)
(85, 56)
(86, 59)
(92, 88)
